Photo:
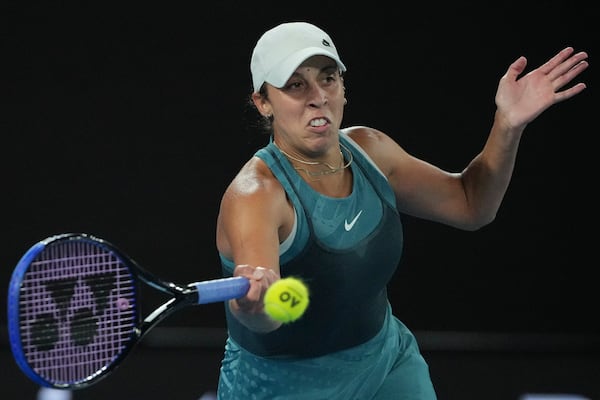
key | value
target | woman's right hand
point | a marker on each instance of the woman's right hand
(249, 309)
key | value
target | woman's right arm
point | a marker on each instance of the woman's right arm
(254, 212)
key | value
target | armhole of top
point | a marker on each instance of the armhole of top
(287, 243)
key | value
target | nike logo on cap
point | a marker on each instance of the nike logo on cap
(348, 226)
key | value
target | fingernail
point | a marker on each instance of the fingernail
(258, 274)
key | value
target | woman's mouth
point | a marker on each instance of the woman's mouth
(318, 122)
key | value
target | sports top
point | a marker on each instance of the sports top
(345, 249)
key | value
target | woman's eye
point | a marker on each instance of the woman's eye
(294, 85)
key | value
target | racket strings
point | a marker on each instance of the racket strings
(78, 310)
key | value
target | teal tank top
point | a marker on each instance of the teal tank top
(345, 249)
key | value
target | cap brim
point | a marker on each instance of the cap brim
(280, 74)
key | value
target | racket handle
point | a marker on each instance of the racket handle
(215, 290)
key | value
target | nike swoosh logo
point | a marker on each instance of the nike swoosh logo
(348, 226)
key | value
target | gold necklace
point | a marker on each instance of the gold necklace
(316, 174)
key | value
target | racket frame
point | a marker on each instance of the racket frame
(182, 296)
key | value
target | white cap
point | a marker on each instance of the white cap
(282, 49)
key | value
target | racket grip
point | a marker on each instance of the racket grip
(215, 290)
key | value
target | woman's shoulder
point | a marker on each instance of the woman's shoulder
(380, 148)
(254, 177)
(364, 136)
(370, 140)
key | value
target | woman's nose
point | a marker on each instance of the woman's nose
(318, 96)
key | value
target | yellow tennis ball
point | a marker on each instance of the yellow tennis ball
(286, 300)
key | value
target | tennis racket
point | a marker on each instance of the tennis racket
(74, 309)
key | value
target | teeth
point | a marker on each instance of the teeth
(318, 122)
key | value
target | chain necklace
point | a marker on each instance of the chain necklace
(315, 175)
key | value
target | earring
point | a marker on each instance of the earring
(345, 101)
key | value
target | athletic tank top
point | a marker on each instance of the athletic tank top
(346, 251)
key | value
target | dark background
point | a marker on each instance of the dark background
(128, 122)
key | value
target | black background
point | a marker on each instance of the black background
(128, 121)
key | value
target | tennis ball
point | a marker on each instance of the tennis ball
(286, 299)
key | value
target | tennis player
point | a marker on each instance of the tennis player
(324, 203)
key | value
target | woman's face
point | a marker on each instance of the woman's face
(308, 109)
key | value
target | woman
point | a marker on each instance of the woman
(323, 204)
